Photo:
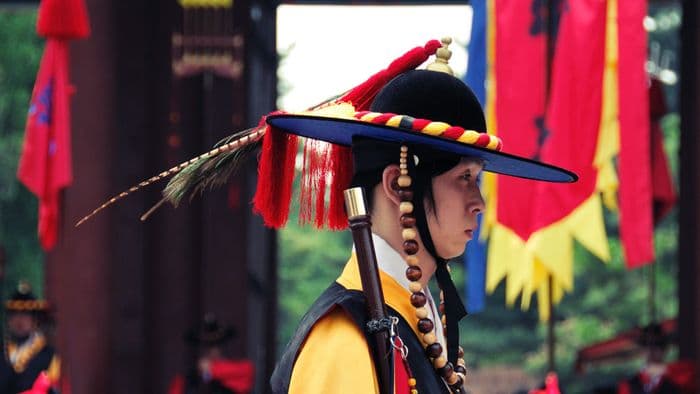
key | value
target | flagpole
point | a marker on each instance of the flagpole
(551, 339)
(551, 40)
(652, 292)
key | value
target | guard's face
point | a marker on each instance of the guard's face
(458, 200)
(210, 353)
(20, 324)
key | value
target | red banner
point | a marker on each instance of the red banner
(569, 136)
(573, 116)
(520, 68)
(634, 166)
(45, 164)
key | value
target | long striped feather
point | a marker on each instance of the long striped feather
(225, 156)
(207, 173)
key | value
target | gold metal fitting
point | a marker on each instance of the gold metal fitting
(355, 202)
(442, 56)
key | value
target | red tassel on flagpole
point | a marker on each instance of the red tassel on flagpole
(63, 19)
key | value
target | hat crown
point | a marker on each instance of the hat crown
(432, 95)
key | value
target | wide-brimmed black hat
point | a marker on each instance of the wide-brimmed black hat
(209, 332)
(24, 300)
(424, 108)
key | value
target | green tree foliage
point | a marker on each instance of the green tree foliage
(309, 261)
(20, 52)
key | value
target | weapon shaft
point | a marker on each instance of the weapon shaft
(361, 228)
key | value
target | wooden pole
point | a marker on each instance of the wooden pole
(361, 228)
(652, 292)
(551, 338)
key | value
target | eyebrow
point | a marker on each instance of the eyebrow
(471, 160)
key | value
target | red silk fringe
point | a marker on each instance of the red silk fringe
(314, 177)
(324, 164)
(63, 19)
(338, 166)
(275, 177)
(363, 94)
(341, 175)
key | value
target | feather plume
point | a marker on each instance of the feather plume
(206, 170)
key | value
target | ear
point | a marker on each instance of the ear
(389, 186)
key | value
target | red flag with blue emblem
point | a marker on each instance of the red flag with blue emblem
(45, 164)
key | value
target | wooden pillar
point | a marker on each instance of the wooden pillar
(78, 269)
(689, 215)
(261, 66)
(126, 291)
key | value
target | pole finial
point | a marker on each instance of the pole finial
(442, 56)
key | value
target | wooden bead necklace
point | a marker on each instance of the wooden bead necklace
(455, 376)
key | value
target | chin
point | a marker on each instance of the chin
(454, 253)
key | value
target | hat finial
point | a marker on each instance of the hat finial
(442, 55)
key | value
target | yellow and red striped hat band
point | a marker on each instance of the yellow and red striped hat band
(429, 127)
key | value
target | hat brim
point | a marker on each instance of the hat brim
(26, 306)
(341, 131)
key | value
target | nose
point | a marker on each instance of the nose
(477, 205)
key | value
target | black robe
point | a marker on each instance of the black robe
(12, 382)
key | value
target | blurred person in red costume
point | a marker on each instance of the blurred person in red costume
(213, 372)
(657, 376)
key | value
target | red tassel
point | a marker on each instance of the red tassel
(362, 95)
(341, 175)
(63, 19)
(336, 163)
(323, 162)
(315, 173)
(305, 185)
(275, 177)
(321, 199)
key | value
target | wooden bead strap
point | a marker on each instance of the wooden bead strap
(453, 375)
